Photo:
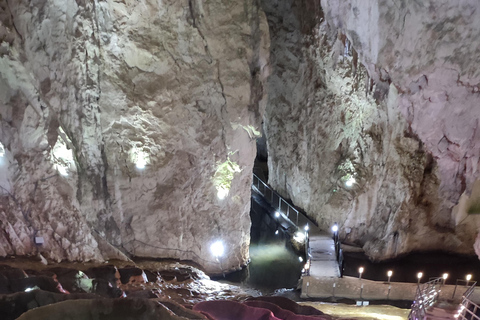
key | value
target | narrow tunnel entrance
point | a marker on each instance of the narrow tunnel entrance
(275, 263)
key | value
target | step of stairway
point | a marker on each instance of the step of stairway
(435, 313)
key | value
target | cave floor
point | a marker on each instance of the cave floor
(371, 312)
(196, 290)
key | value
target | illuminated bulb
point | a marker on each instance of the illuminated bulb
(419, 275)
(299, 237)
(300, 259)
(306, 227)
(360, 271)
(445, 276)
(468, 277)
(222, 193)
(276, 232)
(389, 273)
(217, 248)
(140, 164)
(277, 214)
(335, 228)
(350, 182)
(62, 171)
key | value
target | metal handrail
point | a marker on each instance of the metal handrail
(470, 290)
(262, 188)
(340, 262)
(468, 309)
(338, 252)
(426, 295)
(457, 285)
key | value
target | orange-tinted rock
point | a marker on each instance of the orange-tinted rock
(225, 309)
(288, 304)
(283, 313)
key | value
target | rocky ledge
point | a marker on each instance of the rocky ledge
(149, 290)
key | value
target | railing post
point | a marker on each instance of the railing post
(257, 181)
(455, 290)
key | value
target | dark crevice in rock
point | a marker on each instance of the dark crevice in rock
(13, 20)
(196, 25)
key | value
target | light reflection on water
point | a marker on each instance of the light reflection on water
(273, 266)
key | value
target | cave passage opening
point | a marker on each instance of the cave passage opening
(275, 262)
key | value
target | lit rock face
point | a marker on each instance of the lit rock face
(124, 123)
(361, 96)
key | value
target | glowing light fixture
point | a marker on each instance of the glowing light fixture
(468, 277)
(277, 214)
(360, 271)
(217, 249)
(276, 232)
(299, 237)
(335, 228)
(350, 182)
(141, 161)
(222, 193)
(62, 171)
(300, 259)
(445, 276)
(306, 227)
(389, 275)
(419, 276)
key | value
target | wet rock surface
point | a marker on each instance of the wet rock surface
(103, 309)
(180, 297)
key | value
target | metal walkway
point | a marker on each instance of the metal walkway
(321, 253)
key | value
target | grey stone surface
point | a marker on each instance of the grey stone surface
(128, 128)
(90, 89)
(341, 82)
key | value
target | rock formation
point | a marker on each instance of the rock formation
(372, 119)
(128, 128)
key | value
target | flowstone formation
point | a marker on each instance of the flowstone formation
(372, 122)
(128, 128)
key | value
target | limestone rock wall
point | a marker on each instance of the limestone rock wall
(429, 51)
(129, 127)
(371, 120)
